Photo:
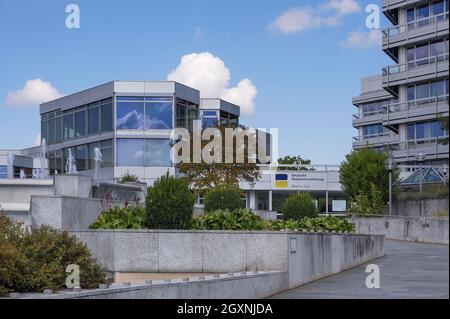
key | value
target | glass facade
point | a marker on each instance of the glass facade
(57, 126)
(425, 130)
(153, 152)
(186, 113)
(427, 90)
(427, 53)
(138, 113)
(373, 130)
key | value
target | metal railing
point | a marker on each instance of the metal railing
(414, 25)
(371, 136)
(416, 104)
(398, 68)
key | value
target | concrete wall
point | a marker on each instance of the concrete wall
(66, 213)
(419, 208)
(239, 286)
(425, 230)
(313, 256)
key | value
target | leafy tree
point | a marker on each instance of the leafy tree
(368, 204)
(169, 203)
(299, 205)
(223, 197)
(204, 176)
(364, 169)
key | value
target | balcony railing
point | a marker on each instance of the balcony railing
(417, 104)
(398, 68)
(414, 25)
(363, 138)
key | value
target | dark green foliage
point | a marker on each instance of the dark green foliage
(299, 205)
(31, 261)
(223, 197)
(131, 217)
(365, 167)
(317, 224)
(128, 178)
(169, 203)
(239, 219)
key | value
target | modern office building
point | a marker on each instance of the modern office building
(399, 110)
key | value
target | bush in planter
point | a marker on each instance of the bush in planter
(131, 217)
(169, 203)
(239, 219)
(227, 197)
(31, 261)
(299, 205)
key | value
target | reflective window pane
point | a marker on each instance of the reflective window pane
(411, 93)
(106, 117)
(437, 88)
(422, 91)
(209, 122)
(58, 129)
(411, 131)
(436, 129)
(130, 115)
(158, 115)
(81, 157)
(80, 124)
(93, 120)
(130, 152)
(157, 152)
(69, 130)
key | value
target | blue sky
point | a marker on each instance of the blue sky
(304, 77)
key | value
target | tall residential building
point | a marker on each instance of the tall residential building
(399, 110)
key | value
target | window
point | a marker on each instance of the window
(69, 131)
(438, 50)
(438, 8)
(130, 152)
(373, 130)
(422, 54)
(93, 118)
(80, 122)
(427, 90)
(209, 122)
(423, 12)
(425, 130)
(58, 129)
(81, 157)
(186, 113)
(437, 88)
(157, 152)
(107, 152)
(130, 113)
(3, 171)
(106, 116)
(158, 114)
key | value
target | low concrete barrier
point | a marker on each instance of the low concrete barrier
(238, 286)
(418, 229)
(305, 256)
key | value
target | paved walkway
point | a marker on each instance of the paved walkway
(409, 270)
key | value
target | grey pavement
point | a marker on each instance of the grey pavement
(409, 270)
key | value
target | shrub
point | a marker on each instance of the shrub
(128, 178)
(430, 191)
(31, 261)
(239, 219)
(169, 203)
(299, 205)
(227, 197)
(317, 224)
(132, 217)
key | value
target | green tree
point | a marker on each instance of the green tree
(299, 205)
(169, 203)
(364, 168)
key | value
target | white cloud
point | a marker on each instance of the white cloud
(362, 39)
(329, 13)
(208, 74)
(34, 92)
(37, 140)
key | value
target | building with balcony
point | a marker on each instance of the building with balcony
(400, 109)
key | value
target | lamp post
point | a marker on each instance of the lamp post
(390, 185)
(420, 157)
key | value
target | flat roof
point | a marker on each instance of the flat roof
(133, 87)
